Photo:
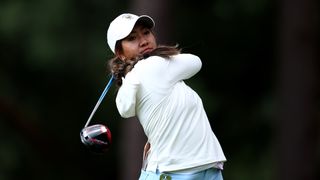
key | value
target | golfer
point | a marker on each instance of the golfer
(150, 77)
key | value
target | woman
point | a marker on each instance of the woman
(181, 144)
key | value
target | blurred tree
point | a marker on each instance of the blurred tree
(298, 126)
(52, 71)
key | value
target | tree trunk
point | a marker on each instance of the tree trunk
(298, 89)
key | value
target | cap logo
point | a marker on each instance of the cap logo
(128, 16)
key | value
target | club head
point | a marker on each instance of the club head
(96, 137)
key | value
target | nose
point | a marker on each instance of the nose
(143, 41)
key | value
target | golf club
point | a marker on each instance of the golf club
(97, 137)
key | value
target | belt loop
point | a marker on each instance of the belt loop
(165, 177)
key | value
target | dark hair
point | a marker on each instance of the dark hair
(119, 68)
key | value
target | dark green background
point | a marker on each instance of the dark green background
(53, 70)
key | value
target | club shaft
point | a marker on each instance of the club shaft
(106, 89)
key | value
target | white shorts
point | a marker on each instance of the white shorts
(208, 174)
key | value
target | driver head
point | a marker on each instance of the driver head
(96, 137)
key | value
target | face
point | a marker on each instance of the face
(141, 40)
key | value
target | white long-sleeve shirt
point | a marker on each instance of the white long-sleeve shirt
(170, 112)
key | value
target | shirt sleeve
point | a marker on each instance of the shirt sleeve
(126, 97)
(184, 66)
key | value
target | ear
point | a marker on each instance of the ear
(118, 51)
(120, 55)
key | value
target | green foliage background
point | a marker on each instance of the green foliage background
(53, 69)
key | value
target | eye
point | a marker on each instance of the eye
(131, 38)
(146, 32)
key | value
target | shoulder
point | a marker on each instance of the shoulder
(151, 61)
(186, 56)
(154, 58)
(150, 65)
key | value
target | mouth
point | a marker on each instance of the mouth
(147, 50)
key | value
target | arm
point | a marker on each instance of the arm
(126, 97)
(183, 66)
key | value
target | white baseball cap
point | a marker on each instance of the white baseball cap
(122, 25)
